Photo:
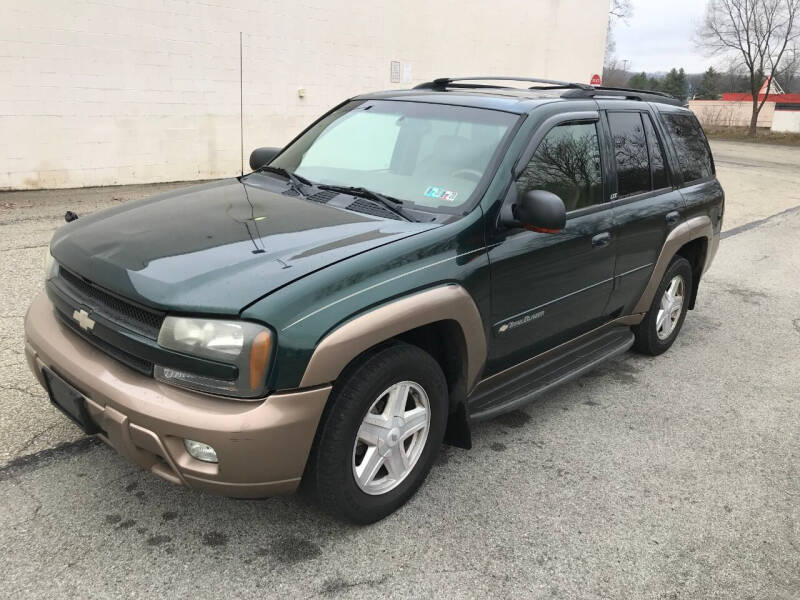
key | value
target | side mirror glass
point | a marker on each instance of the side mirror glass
(538, 210)
(262, 156)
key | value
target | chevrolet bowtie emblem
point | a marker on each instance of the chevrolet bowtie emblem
(82, 317)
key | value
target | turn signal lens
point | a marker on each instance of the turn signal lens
(259, 353)
(50, 266)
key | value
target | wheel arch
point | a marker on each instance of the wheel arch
(695, 252)
(447, 309)
(690, 239)
(444, 321)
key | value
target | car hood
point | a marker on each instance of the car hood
(217, 247)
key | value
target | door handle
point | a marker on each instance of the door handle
(673, 217)
(601, 240)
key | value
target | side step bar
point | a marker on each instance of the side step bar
(523, 383)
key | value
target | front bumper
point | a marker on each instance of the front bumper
(262, 446)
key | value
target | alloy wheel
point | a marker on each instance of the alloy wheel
(391, 438)
(669, 311)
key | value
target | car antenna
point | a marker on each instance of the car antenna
(241, 105)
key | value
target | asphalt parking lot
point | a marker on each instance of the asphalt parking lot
(674, 477)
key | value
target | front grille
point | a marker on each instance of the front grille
(144, 321)
(134, 362)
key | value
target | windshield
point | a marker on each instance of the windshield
(428, 155)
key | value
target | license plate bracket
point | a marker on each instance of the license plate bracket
(69, 401)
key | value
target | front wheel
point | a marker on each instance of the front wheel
(381, 434)
(660, 326)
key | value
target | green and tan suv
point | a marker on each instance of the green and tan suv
(413, 261)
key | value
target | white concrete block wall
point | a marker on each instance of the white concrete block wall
(97, 92)
(727, 113)
(786, 121)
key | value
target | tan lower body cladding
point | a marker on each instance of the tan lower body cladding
(447, 302)
(262, 446)
(697, 227)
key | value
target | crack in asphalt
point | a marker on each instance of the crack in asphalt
(37, 505)
(32, 218)
(758, 222)
(23, 247)
(33, 461)
(337, 585)
(30, 442)
(22, 390)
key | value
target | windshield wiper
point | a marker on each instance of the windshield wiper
(296, 181)
(392, 204)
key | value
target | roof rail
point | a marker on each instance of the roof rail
(575, 90)
(627, 93)
(445, 82)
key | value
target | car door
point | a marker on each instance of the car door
(548, 288)
(694, 166)
(646, 205)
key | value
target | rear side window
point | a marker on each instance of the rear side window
(657, 166)
(567, 163)
(690, 143)
(630, 151)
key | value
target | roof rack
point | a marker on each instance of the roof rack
(627, 93)
(575, 90)
(445, 82)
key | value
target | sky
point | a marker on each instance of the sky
(659, 36)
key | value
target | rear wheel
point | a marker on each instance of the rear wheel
(380, 435)
(660, 326)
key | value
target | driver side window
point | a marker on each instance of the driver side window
(567, 163)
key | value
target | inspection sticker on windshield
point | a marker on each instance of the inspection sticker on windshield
(441, 193)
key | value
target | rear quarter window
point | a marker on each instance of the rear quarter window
(694, 156)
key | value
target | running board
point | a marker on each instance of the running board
(521, 384)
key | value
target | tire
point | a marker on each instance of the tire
(351, 441)
(654, 337)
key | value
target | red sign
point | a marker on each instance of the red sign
(596, 80)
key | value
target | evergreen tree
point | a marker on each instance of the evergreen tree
(675, 83)
(638, 81)
(655, 84)
(709, 86)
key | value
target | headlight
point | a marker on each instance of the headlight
(50, 265)
(241, 343)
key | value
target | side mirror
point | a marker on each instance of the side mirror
(538, 210)
(262, 156)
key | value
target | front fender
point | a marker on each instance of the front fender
(447, 302)
(442, 273)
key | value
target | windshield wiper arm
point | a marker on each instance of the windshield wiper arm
(392, 204)
(295, 180)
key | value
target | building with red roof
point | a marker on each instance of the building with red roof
(780, 113)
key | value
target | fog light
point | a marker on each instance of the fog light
(201, 451)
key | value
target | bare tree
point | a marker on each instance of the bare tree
(620, 10)
(790, 69)
(757, 32)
